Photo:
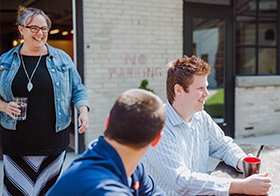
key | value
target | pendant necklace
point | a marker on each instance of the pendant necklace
(29, 84)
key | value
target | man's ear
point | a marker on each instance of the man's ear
(107, 121)
(178, 89)
(156, 140)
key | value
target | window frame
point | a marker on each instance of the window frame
(257, 46)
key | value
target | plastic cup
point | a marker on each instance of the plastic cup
(22, 102)
(251, 166)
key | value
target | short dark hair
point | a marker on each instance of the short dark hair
(136, 118)
(181, 71)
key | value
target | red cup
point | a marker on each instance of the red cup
(251, 165)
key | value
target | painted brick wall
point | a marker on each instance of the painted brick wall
(127, 41)
(257, 111)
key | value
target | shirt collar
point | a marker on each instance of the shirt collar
(50, 50)
(103, 148)
(174, 118)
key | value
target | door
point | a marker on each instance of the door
(208, 34)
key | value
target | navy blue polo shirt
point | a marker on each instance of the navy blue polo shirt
(100, 171)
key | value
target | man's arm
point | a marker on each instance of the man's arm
(222, 147)
(257, 184)
(168, 165)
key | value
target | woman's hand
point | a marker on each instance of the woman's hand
(83, 120)
(10, 108)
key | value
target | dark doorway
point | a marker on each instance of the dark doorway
(208, 34)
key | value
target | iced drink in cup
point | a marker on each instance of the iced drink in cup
(22, 102)
(251, 166)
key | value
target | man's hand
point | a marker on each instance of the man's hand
(240, 162)
(256, 184)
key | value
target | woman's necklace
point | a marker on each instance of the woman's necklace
(29, 84)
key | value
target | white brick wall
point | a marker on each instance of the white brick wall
(257, 110)
(127, 41)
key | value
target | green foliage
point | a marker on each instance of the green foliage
(215, 104)
(144, 85)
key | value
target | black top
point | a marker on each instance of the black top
(36, 135)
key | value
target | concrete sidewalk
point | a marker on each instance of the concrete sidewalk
(267, 139)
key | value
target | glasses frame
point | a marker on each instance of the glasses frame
(44, 29)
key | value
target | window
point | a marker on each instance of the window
(256, 37)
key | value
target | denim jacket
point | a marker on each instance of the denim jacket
(66, 81)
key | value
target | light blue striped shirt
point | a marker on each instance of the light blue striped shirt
(179, 163)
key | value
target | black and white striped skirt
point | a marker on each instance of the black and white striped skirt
(31, 175)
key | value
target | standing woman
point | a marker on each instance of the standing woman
(34, 149)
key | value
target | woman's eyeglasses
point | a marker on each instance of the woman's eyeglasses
(35, 29)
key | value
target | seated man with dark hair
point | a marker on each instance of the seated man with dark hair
(111, 164)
